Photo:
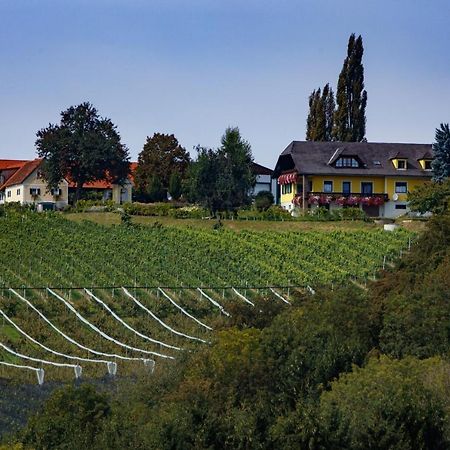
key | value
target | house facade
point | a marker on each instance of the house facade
(264, 179)
(21, 182)
(375, 177)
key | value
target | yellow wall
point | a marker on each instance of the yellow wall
(378, 183)
(381, 185)
(286, 198)
(412, 184)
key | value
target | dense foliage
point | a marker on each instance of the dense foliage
(161, 158)
(441, 150)
(351, 97)
(222, 179)
(319, 124)
(84, 148)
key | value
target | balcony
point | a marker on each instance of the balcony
(341, 198)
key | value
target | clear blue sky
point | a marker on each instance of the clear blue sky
(194, 67)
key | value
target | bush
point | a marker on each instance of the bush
(148, 209)
(95, 205)
(387, 404)
(72, 415)
(263, 200)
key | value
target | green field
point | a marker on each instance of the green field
(239, 272)
(42, 251)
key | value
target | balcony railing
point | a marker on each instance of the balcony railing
(342, 198)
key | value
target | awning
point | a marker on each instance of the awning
(287, 178)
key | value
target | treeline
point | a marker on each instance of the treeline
(85, 147)
(340, 369)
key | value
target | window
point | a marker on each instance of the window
(286, 188)
(401, 187)
(35, 192)
(400, 206)
(8, 194)
(55, 192)
(327, 186)
(299, 188)
(346, 187)
(347, 162)
(18, 192)
(367, 188)
(427, 164)
(401, 164)
(377, 163)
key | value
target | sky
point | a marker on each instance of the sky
(195, 67)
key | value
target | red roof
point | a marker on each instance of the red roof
(25, 168)
(22, 174)
(6, 164)
(105, 184)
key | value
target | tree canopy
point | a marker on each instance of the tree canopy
(319, 125)
(222, 179)
(83, 147)
(161, 156)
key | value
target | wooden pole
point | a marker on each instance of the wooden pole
(303, 193)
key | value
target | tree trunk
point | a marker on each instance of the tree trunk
(78, 191)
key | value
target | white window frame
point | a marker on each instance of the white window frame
(402, 161)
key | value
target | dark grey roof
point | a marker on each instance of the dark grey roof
(317, 158)
(258, 169)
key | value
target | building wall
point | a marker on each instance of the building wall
(381, 185)
(122, 194)
(34, 182)
(378, 183)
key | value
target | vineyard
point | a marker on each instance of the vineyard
(80, 299)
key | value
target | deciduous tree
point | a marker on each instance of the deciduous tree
(83, 147)
(161, 156)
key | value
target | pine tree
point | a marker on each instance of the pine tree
(441, 149)
(351, 97)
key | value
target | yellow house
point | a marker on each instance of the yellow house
(25, 185)
(375, 177)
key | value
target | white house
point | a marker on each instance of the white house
(21, 181)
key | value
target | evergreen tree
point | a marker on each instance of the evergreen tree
(351, 97)
(441, 148)
(321, 112)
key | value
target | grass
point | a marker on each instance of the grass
(236, 225)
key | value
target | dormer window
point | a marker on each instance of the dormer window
(425, 164)
(401, 164)
(347, 162)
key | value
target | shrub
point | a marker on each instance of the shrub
(263, 200)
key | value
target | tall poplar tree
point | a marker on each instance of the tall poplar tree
(319, 124)
(351, 97)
